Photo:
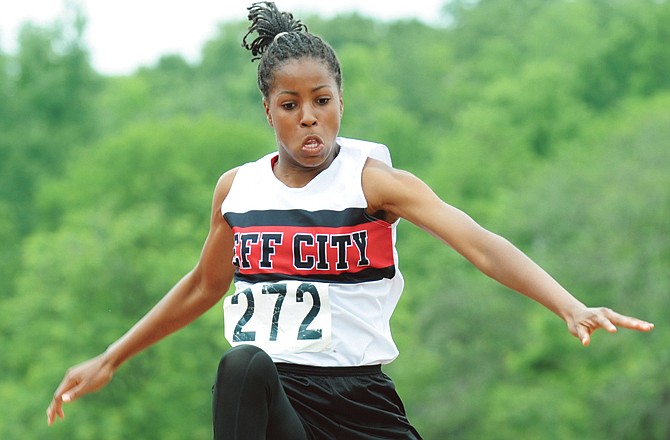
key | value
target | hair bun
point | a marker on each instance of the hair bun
(268, 22)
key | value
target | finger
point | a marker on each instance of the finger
(70, 381)
(606, 324)
(56, 407)
(55, 410)
(73, 393)
(634, 323)
(628, 321)
(50, 416)
(69, 388)
(51, 412)
(584, 335)
(586, 340)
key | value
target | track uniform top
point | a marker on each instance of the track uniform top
(317, 278)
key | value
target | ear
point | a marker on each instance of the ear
(341, 105)
(267, 112)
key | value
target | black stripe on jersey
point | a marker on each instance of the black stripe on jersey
(299, 218)
(369, 274)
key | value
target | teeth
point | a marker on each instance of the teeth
(312, 143)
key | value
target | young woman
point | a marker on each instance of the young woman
(307, 234)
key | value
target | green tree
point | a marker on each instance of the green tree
(544, 120)
(49, 114)
(593, 218)
(47, 91)
(633, 55)
(126, 221)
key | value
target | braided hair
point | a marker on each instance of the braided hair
(282, 38)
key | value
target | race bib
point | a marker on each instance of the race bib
(280, 318)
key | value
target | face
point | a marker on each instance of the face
(304, 108)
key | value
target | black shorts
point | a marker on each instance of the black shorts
(346, 403)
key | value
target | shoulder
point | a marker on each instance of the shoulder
(250, 170)
(382, 186)
(223, 186)
(396, 192)
(377, 173)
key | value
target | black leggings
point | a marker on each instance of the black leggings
(249, 402)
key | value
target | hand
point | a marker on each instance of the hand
(589, 319)
(81, 379)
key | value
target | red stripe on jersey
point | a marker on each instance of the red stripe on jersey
(312, 251)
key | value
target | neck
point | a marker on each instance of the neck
(296, 176)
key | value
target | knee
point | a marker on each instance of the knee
(242, 360)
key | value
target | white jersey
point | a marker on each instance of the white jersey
(317, 278)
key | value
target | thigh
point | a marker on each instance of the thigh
(350, 406)
(248, 400)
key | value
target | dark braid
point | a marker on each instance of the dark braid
(282, 38)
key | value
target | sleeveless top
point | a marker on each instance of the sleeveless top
(316, 278)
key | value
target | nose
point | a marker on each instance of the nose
(308, 117)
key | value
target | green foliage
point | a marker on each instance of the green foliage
(118, 231)
(49, 88)
(547, 121)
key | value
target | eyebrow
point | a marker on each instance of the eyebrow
(292, 92)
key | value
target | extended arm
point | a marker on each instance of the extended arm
(402, 195)
(193, 295)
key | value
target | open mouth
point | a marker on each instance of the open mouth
(312, 143)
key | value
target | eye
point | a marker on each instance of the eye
(288, 105)
(323, 100)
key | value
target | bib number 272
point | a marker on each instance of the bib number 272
(280, 317)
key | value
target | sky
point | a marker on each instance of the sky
(125, 34)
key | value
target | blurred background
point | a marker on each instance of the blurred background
(547, 121)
